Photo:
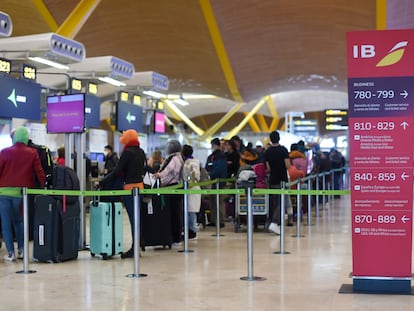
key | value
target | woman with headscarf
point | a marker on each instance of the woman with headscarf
(170, 174)
(131, 168)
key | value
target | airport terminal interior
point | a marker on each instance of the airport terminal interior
(78, 74)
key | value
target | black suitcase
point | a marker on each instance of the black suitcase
(155, 223)
(56, 230)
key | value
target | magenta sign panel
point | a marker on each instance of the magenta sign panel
(381, 132)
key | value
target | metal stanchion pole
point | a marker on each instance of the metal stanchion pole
(25, 236)
(185, 250)
(282, 223)
(309, 203)
(250, 276)
(317, 196)
(323, 189)
(298, 212)
(332, 184)
(218, 211)
(137, 235)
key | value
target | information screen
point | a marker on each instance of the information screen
(19, 99)
(92, 111)
(128, 116)
(66, 113)
(159, 122)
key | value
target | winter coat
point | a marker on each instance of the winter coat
(191, 172)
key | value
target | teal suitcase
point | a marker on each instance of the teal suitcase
(106, 229)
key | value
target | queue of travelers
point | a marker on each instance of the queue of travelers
(273, 163)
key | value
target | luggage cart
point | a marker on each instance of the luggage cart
(260, 204)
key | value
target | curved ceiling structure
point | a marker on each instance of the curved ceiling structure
(237, 50)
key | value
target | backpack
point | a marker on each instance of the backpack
(65, 178)
(260, 170)
(45, 160)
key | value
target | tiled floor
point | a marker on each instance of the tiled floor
(209, 278)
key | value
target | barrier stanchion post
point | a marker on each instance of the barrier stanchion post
(185, 250)
(323, 190)
(282, 223)
(137, 235)
(250, 276)
(309, 202)
(317, 196)
(26, 269)
(332, 184)
(218, 211)
(298, 212)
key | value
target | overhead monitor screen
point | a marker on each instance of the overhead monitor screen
(159, 122)
(128, 116)
(92, 111)
(66, 114)
(19, 99)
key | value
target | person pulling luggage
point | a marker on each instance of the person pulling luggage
(130, 166)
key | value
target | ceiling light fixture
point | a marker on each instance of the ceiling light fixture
(181, 101)
(112, 81)
(48, 62)
(154, 94)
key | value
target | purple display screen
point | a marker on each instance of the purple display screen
(159, 122)
(66, 113)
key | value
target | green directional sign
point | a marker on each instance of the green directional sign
(128, 116)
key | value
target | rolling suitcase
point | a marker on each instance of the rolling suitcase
(56, 230)
(106, 229)
(155, 223)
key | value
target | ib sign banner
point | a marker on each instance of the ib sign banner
(381, 127)
(19, 99)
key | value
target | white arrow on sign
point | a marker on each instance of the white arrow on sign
(405, 94)
(404, 124)
(404, 176)
(404, 219)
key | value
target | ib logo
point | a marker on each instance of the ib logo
(392, 57)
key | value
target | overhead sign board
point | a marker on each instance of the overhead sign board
(19, 99)
(336, 119)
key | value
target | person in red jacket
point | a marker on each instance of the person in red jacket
(18, 165)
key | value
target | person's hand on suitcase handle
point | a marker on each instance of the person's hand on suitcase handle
(97, 185)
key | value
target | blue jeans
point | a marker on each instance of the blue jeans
(10, 214)
(192, 221)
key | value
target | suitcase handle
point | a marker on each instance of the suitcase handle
(109, 214)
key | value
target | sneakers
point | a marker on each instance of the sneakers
(275, 228)
(20, 254)
(192, 235)
(9, 257)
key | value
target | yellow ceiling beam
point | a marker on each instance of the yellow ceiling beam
(221, 122)
(253, 124)
(262, 122)
(169, 123)
(203, 121)
(220, 49)
(173, 113)
(173, 108)
(381, 14)
(243, 123)
(273, 111)
(272, 107)
(47, 16)
(75, 21)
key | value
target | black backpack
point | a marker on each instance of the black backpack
(45, 160)
(65, 178)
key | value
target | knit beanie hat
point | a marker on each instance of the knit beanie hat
(129, 137)
(21, 135)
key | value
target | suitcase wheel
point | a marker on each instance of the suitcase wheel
(104, 256)
(93, 254)
(143, 248)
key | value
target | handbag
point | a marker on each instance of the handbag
(149, 182)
